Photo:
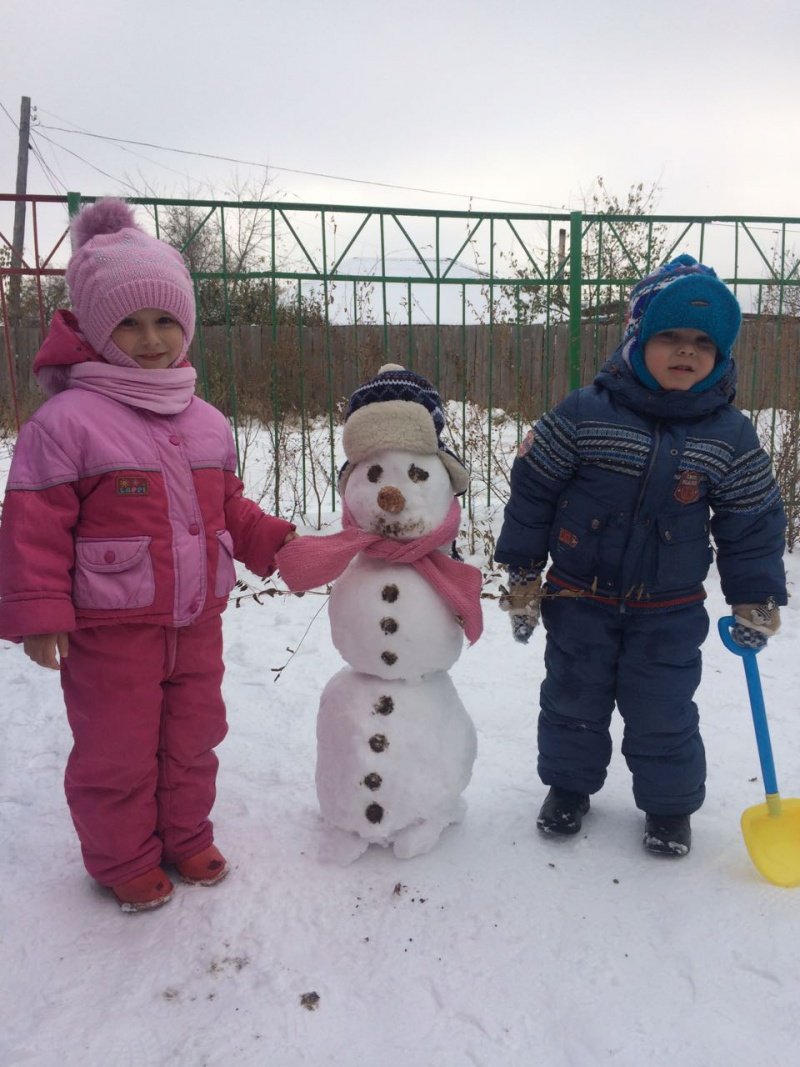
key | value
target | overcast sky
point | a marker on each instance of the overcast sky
(525, 102)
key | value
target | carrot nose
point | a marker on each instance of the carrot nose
(391, 499)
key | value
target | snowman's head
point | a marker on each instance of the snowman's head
(398, 494)
(398, 411)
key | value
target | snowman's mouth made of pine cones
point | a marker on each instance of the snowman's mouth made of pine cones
(399, 529)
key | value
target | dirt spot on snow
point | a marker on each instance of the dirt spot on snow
(309, 1001)
(228, 963)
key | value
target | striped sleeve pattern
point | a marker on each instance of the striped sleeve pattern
(749, 487)
(554, 452)
(614, 447)
(709, 456)
(560, 446)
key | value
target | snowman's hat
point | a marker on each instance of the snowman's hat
(398, 409)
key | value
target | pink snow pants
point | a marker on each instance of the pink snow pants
(146, 711)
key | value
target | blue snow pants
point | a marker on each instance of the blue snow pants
(649, 666)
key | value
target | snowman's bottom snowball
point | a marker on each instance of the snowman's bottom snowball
(392, 760)
(343, 847)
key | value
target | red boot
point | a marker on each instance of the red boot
(206, 868)
(144, 893)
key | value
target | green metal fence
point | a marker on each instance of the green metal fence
(505, 312)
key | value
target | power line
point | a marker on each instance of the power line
(99, 170)
(139, 155)
(47, 171)
(294, 170)
(148, 159)
(53, 163)
(81, 131)
(11, 118)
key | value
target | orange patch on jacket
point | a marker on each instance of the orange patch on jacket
(568, 538)
(526, 444)
(687, 491)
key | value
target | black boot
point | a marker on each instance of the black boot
(562, 811)
(667, 835)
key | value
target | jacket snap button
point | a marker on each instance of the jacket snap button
(109, 557)
(194, 529)
(667, 535)
(174, 439)
(595, 524)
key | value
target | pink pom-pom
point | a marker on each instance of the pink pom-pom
(103, 216)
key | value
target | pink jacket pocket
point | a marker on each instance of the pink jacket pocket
(113, 574)
(226, 572)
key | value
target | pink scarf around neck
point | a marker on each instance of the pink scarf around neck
(309, 562)
(164, 392)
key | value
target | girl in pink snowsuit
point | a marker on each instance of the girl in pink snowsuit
(121, 521)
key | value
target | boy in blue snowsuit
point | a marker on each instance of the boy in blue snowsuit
(621, 485)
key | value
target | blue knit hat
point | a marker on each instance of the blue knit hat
(398, 409)
(683, 294)
(393, 382)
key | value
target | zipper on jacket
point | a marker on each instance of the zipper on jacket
(643, 490)
(649, 471)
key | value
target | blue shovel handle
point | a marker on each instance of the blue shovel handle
(756, 703)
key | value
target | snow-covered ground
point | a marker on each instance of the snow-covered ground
(499, 948)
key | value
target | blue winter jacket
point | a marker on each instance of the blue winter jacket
(621, 487)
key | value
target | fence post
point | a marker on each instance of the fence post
(575, 273)
(73, 203)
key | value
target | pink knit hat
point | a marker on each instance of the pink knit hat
(116, 269)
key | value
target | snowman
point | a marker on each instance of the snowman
(395, 745)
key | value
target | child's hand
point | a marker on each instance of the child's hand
(756, 623)
(291, 535)
(521, 602)
(42, 648)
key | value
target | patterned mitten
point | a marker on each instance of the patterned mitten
(756, 623)
(521, 601)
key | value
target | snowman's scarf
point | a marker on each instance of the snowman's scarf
(309, 562)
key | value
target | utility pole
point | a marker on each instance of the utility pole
(18, 240)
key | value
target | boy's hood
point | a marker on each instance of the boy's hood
(617, 377)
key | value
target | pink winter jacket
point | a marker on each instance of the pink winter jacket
(115, 514)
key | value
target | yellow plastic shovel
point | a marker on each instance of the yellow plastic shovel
(771, 830)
